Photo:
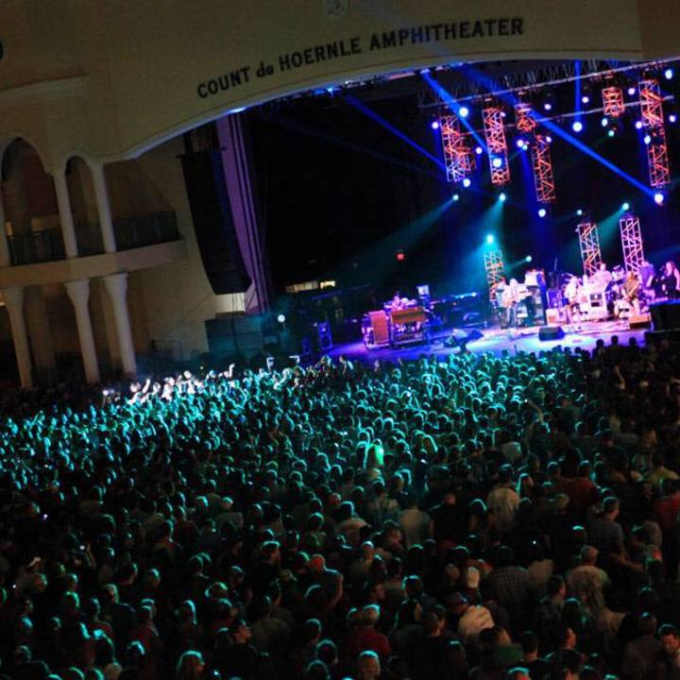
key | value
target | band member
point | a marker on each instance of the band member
(648, 281)
(631, 291)
(573, 294)
(397, 302)
(670, 280)
(511, 298)
(601, 278)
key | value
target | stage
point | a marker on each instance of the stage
(497, 340)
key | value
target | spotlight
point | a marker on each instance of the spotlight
(502, 197)
(455, 197)
(496, 162)
(435, 125)
(625, 206)
(585, 99)
(464, 112)
(659, 198)
(611, 132)
(467, 182)
(673, 118)
(579, 212)
(668, 73)
(281, 318)
(638, 125)
(548, 139)
(489, 239)
(604, 122)
(528, 258)
(520, 143)
(577, 126)
(647, 140)
(631, 91)
(547, 106)
(542, 212)
(479, 150)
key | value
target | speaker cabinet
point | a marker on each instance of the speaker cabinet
(550, 333)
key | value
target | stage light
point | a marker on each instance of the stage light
(579, 212)
(401, 256)
(638, 125)
(502, 197)
(489, 239)
(542, 212)
(281, 318)
(455, 197)
(520, 143)
(577, 126)
(496, 162)
(673, 118)
(435, 125)
(659, 198)
(479, 151)
(631, 91)
(647, 140)
(611, 132)
(625, 206)
(585, 99)
(528, 258)
(548, 139)
(547, 106)
(467, 182)
(604, 122)
(464, 112)
(668, 73)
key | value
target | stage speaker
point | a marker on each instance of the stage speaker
(665, 315)
(214, 222)
(641, 321)
(550, 333)
(460, 337)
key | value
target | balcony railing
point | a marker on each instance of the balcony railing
(146, 230)
(136, 232)
(35, 247)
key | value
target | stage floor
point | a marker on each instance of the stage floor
(497, 340)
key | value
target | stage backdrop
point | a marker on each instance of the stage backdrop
(110, 79)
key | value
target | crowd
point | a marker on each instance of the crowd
(480, 517)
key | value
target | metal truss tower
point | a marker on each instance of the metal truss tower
(631, 242)
(544, 178)
(651, 107)
(494, 267)
(458, 156)
(589, 242)
(494, 132)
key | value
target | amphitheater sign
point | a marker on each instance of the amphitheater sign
(135, 74)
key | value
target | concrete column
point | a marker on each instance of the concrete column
(68, 229)
(5, 260)
(101, 193)
(79, 293)
(14, 301)
(116, 285)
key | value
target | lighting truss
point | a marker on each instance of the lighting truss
(497, 145)
(631, 242)
(524, 119)
(651, 107)
(458, 156)
(493, 266)
(651, 103)
(612, 101)
(544, 178)
(589, 242)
